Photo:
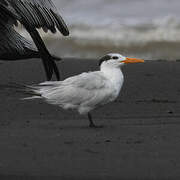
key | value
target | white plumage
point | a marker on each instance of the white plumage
(85, 91)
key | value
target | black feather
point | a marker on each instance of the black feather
(104, 58)
(32, 14)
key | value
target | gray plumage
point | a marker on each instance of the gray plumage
(32, 14)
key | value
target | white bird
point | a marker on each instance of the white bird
(86, 91)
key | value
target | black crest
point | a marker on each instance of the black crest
(104, 58)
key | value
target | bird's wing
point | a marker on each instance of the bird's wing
(87, 80)
(86, 88)
(12, 44)
(39, 14)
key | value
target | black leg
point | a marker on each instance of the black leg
(91, 123)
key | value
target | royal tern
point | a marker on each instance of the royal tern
(86, 91)
(31, 14)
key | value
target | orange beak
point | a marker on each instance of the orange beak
(133, 60)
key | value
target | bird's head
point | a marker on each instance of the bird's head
(117, 60)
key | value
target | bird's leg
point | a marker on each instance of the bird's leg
(91, 123)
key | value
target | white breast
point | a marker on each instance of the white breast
(116, 79)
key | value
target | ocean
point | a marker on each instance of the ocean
(147, 29)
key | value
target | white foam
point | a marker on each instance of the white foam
(154, 39)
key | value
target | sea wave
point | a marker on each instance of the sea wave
(155, 39)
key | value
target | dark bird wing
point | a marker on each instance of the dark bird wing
(12, 45)
(39, 14)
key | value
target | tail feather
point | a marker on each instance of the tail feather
(31, 98)
(37, 91)
(26, 89)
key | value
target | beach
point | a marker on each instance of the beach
(140, 138)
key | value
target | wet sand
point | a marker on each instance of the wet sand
(140, 140)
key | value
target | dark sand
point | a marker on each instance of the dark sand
(140, 140)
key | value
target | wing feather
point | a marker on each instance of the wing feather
(95, 80)
(32, 14)
(39, 14)
(12, 44)
(88, 89)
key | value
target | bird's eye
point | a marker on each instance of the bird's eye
(115, 57)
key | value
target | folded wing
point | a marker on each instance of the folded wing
(86, 89)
